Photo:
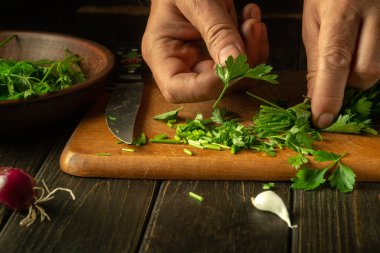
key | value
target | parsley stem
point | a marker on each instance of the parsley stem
(103, 154)
(343, 155)
(5, 41)
(128, 149)
(165, 141)
(196, 196)
(187, 152)
(211, 146)
(265, 101)
(160, 137)
(221, 145)
(221, 95)
(195, 144)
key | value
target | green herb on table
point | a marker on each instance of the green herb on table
(112, 118)
(188, 152)
(221, 115)
(141, 140)
(161, 136)
(298, 160)
(128, 150)
(268, 186)
(6, 40)
(168, 115)
(166, 141)
(343, 177)
(236, 69)
(103, 154)
(196, 196)
(25, 79)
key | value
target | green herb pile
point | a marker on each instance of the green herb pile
(24, 79)
(275, 128)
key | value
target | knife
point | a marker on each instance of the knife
(126, 97)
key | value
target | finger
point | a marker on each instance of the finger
(179, 84)
(337, 40)
(254, 34)
(251, 31)
(264, 45)
(252, 11)
(310, 34)
(217, 27)
(178, 77)
(366, 68)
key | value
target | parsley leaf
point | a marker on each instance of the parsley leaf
(298, 160)
(358, 111)
(346, 124)
(308, 179)
(323, 156)
(343, 178)
(268, 186)
(363, 106)
(168, 115)
(222, 115)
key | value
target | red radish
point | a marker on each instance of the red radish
(18, 191)
(16, 188)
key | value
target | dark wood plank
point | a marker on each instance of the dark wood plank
(225, 222)
(27, 153)
(330, 221)
(108, 215)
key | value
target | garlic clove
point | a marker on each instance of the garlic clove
(271, 202)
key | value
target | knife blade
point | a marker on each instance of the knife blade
(122, 109)
(126, 97)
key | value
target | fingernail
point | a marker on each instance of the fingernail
(325, 120)
(224, 53)
(254, 14)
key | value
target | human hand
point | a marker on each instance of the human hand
(184, 39)
(342, 41)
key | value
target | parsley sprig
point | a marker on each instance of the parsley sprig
(343, 177)
(236, 69)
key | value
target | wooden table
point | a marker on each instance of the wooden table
(115, 215)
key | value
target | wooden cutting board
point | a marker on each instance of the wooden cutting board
(168, 161)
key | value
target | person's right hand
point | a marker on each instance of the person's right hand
(184, 39)
(342, 41)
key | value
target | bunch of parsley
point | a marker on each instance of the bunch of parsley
(24, 79)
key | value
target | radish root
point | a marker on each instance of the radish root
(36, 209)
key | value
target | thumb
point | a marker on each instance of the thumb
(217, 23)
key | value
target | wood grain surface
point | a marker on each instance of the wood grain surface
(88, 224)
(168, 161)
(225, 221)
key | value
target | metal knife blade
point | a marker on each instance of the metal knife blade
(122, 109)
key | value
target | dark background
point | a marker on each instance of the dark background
(122, 22)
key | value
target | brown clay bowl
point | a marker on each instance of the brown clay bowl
(28, 115)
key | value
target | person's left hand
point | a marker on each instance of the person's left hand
(184, 39)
